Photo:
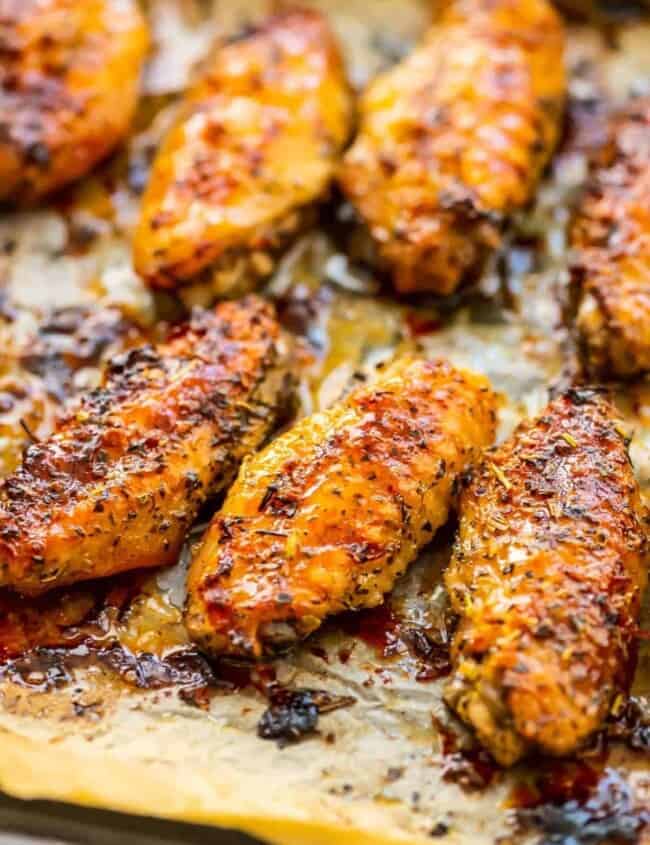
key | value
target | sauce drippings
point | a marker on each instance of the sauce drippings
(381, 629)
(65, 617)
(579, 803)
(472, 768)
(44, 640)
(420, 324)
(377, 627)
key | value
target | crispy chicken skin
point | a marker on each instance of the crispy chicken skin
(455, 138)
(69, 80)
(611, 239)
(546, 576)
(41, 370)
(328, 516)
(123, 476)
(257, 142)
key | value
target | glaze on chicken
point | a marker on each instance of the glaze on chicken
(69, 82)
(547, 576)
(611, 239)
(332, 512)
(256, 144)
(41, 370)
(455, 138)
(123, 476)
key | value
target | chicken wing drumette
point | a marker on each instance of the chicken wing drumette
(124, 474)
(547, 576)
(69, 80)
(330, 514)
(611, 239)
(256, 144)
(455, 138)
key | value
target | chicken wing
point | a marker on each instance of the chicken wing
(69, 79)
(328, 516)
(41, 370)
(455, 138)
(256, 143)
(611, 239)
(123, 476)
(547, 575)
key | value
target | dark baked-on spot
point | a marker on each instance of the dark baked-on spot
(293, 714)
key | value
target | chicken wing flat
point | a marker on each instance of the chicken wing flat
(69, 80)
(257, 142)
(547, 575)
(611, 239)
(328, 516)
(455, 138)
(123, 476)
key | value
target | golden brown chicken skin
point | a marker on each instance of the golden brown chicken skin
(328, 516)
(123, 476)
(546, 576)
(611, 239)
(69, 80)
(455, 138)
(256, 144)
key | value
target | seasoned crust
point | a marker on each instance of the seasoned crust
(546, 576)
(330, 514)
(69, 80)
(255, 145)
(455, 138)
(39, 371)
(611, 239)
(124, 474)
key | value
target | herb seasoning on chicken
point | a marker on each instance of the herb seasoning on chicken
(256, 144)
(69, 81)
(611, 238)
(124, 474)
(328, 516)
(547, 575)
(455, 138)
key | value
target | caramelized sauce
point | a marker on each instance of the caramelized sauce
(420, 324)
(472, 768)
(557, 782)
(377, 627)
(43, 640)
(66, 617)
(579, 803)
(382, 630)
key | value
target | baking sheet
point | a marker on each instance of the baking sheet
(139, 734)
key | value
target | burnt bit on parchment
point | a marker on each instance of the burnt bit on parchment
(293, 714)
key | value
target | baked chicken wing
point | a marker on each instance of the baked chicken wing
(455, 138)
(611, 239)
(124, 474)
(330, 514)
(69, 79)
(546, 576)
(256, 143)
